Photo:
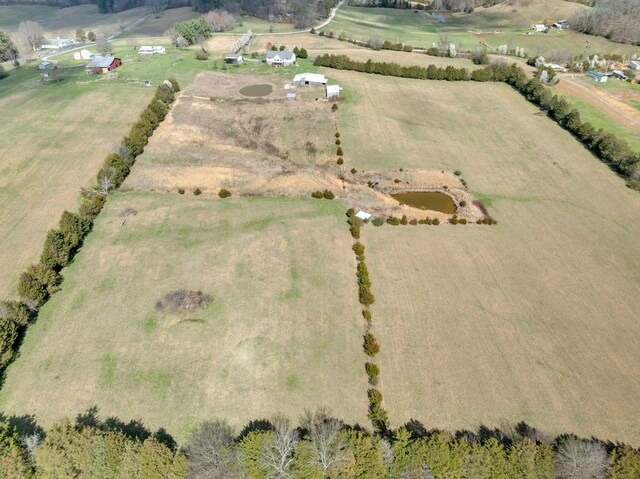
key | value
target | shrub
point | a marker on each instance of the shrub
(463, 203)
(463, 221)
(354, 227)
(370, 344)
(115, 167)
(202, 55)
(328, 195)
(373, 371)
(197, 191)
(91, 206)
(353, 171)
(392, 220)
(413, 222)
(403, 221)
(339, 151)
(37, 283)
(337, 134)
(176, 85)
(159, 108)
(340, 161)
(377, 222)
(334, 107)
(317, 195)
(15, 311)
(165, 94)
(337, 141)
(56, 251)
(375, 397)
(366, 314)
(365, 296)
(181, 191)
(358, 249)
(436, 221)
(8, 337)
(457, 172)
(454, 220)
(224, 193)
(379, 418)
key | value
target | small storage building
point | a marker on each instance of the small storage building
(309, 79)
(234, 59)
(149, 50)
(599, 77)
(333, 91)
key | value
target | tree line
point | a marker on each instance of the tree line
(39, 281)
(614, 151)
(617, 20)
(319, 447)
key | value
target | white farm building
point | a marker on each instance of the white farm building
(309, 79)
(333, 91)
(147, 50)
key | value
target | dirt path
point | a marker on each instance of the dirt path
(617, 110)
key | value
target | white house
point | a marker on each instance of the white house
(82, 55)
(333, 91)
(234, 59)
(556, 67)
(283, 58)
(634, 65)
(148, 50)
(309, 79)
(58, 43)
(538, 27)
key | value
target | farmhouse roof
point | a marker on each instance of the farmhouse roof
(284, 54)
(101, 62)
(597, 75)
(310, 77)
(333, 89)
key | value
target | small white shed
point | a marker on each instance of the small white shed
(363, 216)
(333, 91)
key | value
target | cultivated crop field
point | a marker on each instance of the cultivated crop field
(282, 334)
(534, 319)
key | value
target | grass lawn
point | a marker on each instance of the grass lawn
(283, 332)
(78, 122)
(492, 27)
(534, 319)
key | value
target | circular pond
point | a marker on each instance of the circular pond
(256, 90)
(427, 200)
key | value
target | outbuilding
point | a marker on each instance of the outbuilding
(284, 58)
(556, 68)
(619, 74)
(599, 77)
(150, 50)
(309, 79)
(539, 27)
(100, 64)
(634, 65)
(363, 216)
(45, 65)
(82, 55)
(333, 91)
(234, 59)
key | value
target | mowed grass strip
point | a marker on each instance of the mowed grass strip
(282, 334)
(534, 319)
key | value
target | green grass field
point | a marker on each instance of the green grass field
(78, 121)
(489, 26)
(65, 21)
(533, 319)
(282, 334)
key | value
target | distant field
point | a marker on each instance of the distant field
(158, 24)
(78, 122)
(534, 319)
(494, 26)
(282, 334)
(64, 21)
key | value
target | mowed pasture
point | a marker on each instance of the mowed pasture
(533, 319)
(493, 26)
(282, 334)
(54, 138)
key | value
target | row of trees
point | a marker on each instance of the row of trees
(39, 281)
(615, 152)
(321, 446)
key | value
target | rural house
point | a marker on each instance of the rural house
(599, 77)
(234, 59)
(634, 65)
(101, 64)
(283, 58)
(539, 28)
(147, 50)
(619, 74)
(309, 79)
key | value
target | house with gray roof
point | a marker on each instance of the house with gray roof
(284, 58)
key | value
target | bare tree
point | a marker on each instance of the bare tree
(125, 214)
(132, 42)
(106, 185)
(277, 454)
(580, 459)
(30, 35)
(103, 44)
(329, 446)
(31, 443)
(210, 451)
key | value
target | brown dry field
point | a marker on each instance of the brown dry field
(234, 142)
(282, 334)
(53, 144)
(534, 319)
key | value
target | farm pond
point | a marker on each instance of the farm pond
(257, 90)
(427, 200)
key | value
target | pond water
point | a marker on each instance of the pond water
(427, 200)
(256, 90)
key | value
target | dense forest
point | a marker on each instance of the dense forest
(618, 20)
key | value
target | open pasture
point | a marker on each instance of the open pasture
(282, 332)
(158, 24)
(63, 22)
(493, 26)
(78, 121)
(534, 319)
